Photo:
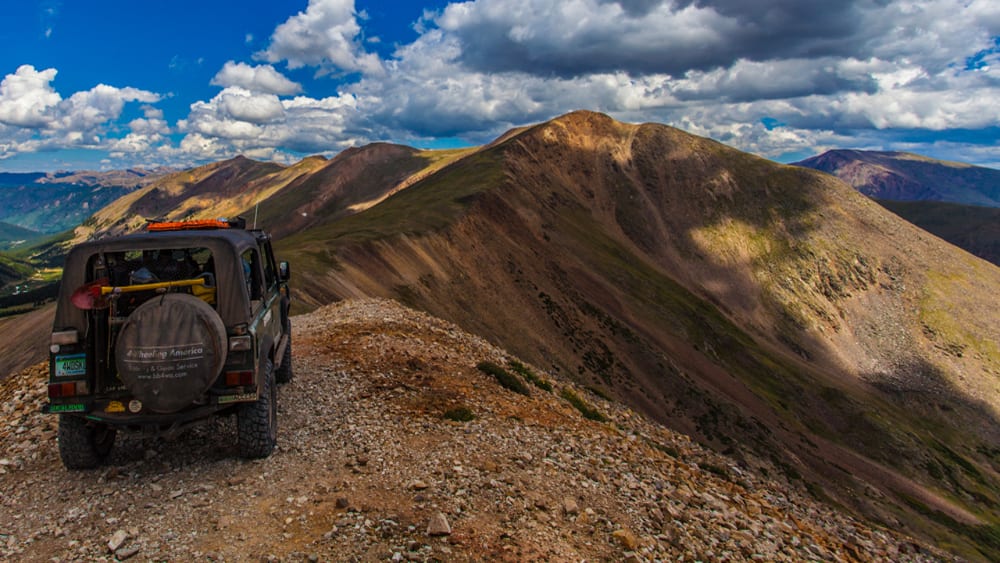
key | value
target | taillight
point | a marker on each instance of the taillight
(68, 389)
(240, 343)
(234, 378)
(63, 338)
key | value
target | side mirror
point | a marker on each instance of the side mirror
(284, 271)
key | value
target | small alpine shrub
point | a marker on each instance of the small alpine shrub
(460, 414)
(519, 368)
(715, 469)
(588, 412)
(600, 392)
(504, 378)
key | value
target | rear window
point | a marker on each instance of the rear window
(133, 267)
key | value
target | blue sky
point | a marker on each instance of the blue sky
(114, 84)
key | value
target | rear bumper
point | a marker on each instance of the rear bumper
(122, 412)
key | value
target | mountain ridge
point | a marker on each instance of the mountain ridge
(769, 311)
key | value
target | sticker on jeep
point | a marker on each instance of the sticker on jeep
(163, 362)
(115, 406)
(71, 366)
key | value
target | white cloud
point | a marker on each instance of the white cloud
(325, 36)
(584, 36)
(26, 97)
(239, 121)
(252, 107)
(84, 111)
(34, 117)
(482, 66)
(152, 122)
(261, 78)
(146, 134)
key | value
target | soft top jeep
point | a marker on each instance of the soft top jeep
(160, 330)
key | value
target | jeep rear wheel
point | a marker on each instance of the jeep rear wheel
(257, 422)
(284, 373)
(83, 444)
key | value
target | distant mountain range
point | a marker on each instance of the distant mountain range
(52, 203)
(901, 176)
(770, 311)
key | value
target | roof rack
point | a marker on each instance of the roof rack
(154, 225)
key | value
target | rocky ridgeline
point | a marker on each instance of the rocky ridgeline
(369, 467)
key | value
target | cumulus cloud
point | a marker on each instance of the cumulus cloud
(84, 111)
(27, 98)
(325, 35)
(261, 78)
(837, 69)
(145, 135)
(648, 36)
(746, 81)
(570, 38)
(34, 117)
(238, 120)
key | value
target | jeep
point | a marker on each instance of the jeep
(159, 330)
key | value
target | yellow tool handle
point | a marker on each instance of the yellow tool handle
(105, 290)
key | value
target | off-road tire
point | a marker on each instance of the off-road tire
(257, 422)
(284, 373)
(83, 444)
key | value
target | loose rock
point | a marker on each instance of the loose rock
(117, 540)
(438, 525)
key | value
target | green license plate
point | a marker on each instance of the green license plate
(71, 366)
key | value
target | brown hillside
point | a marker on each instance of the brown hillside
(766, 309)
(26, 340)
(220, 189)
(354, 176)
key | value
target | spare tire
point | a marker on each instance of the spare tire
(170, 351)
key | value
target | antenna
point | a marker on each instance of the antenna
(255, 208)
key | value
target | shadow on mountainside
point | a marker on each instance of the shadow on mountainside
(780, 252)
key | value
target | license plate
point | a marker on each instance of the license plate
(70, 366)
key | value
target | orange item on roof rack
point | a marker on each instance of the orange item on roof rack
(198, 224)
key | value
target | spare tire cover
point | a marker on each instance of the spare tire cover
(170, 351)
